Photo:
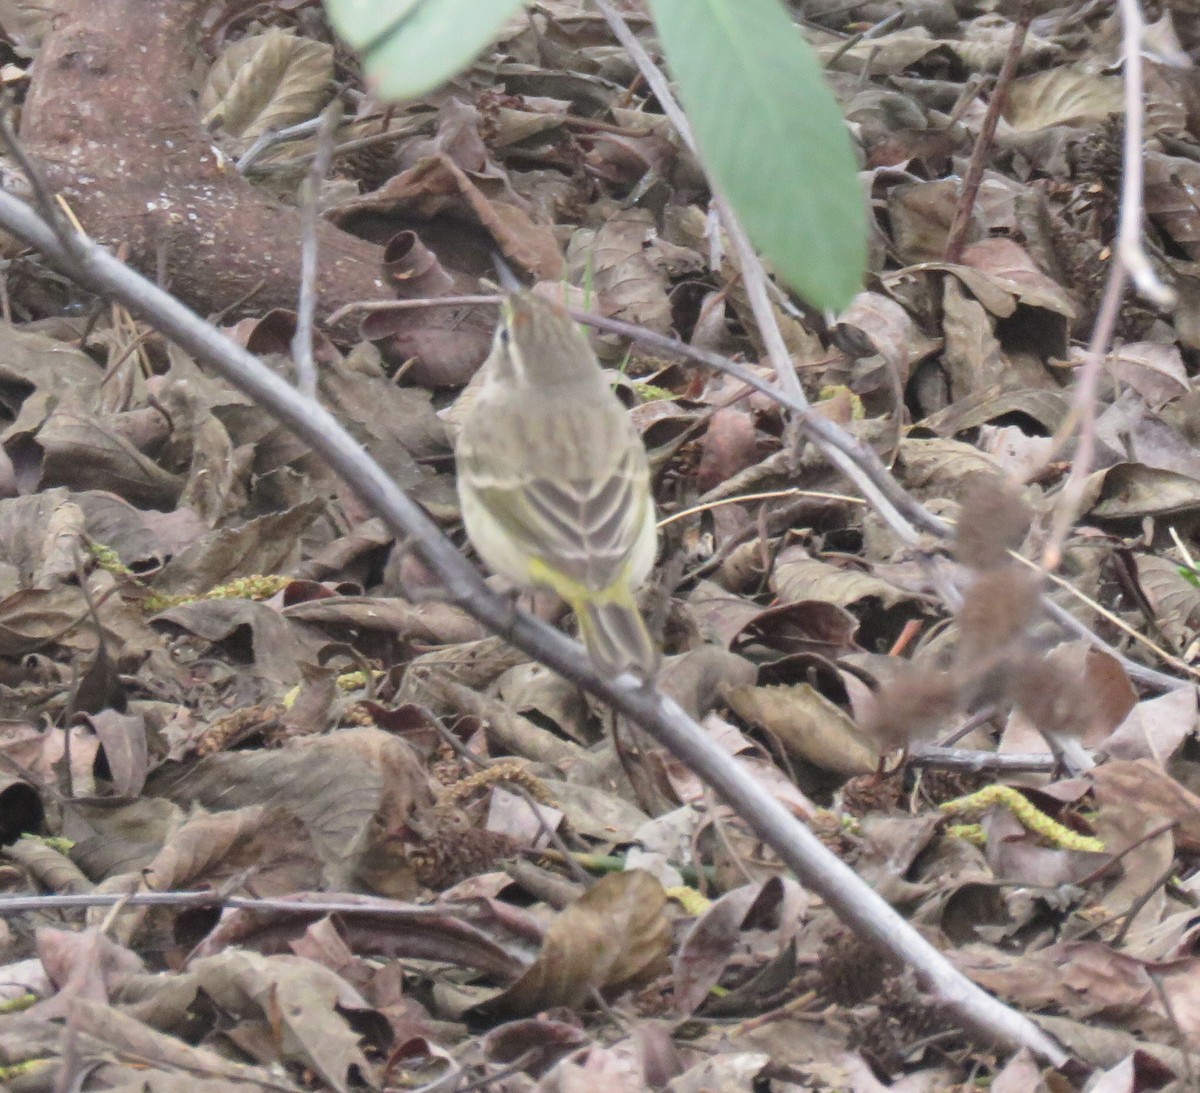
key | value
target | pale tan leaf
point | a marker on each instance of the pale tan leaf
(129, 1037)
(941, 467)
(1144, 785)
(1012, 269)
(625, 279)
(1172, 183)
(1155, 371)
(797, 576)
(1156, 728)
(615, 937)
(309, 1003)
(1135, 490)
(267, 82)
(1066, 95)
(1047, 408)
(1176, 601)
(808, 725)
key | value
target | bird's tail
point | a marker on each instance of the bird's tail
(617, 639)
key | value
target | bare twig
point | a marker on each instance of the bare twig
(317, 905)
(370, 307)
(753, 273)
(966, 761)
(1181, 1038)
(903, 512)
(306, 308)
(1083, 415)
(271, 137)
(852, 459)
(876, 31)
(1137, 905)
(957, 238)
(1129, 262)
(768, 495)
(859, 463)
(863, 909)
(248, 163)
(1074, 626)
(1130, 251)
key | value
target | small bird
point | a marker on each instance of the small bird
(554, 482)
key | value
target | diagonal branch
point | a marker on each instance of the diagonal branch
(855, 903)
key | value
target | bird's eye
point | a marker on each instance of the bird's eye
(505, 336)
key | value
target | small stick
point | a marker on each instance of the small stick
(306, 307)
(987, 133)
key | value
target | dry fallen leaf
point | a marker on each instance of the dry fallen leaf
(615, 937)
(809, 726)
(349, 729)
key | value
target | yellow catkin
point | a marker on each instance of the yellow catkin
(108, 559)
(16, 1005)
(972, 833)
(257, 587)
(497, 774)
(689, 899)
(24, 1069)
(1028, 814)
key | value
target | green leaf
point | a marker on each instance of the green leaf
(772, 138)
(409, 47)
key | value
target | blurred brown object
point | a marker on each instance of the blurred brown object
(994, 519)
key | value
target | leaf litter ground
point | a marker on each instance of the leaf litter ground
(219, 673)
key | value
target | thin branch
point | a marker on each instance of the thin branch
(248, 163)
(855, 903)
(370, 307)
(858, 462)
(306, 308)
(1129, 261)
(753, 274)
(1182, 1039)
(317, 905)
(903, 512)
(768, 495)
(1069, 622)
(892, 502)
(957, 238)
(1130, 251)
(966, 761)
(1083, 415)
(755, 279)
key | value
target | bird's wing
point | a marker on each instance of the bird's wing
(585, 529)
